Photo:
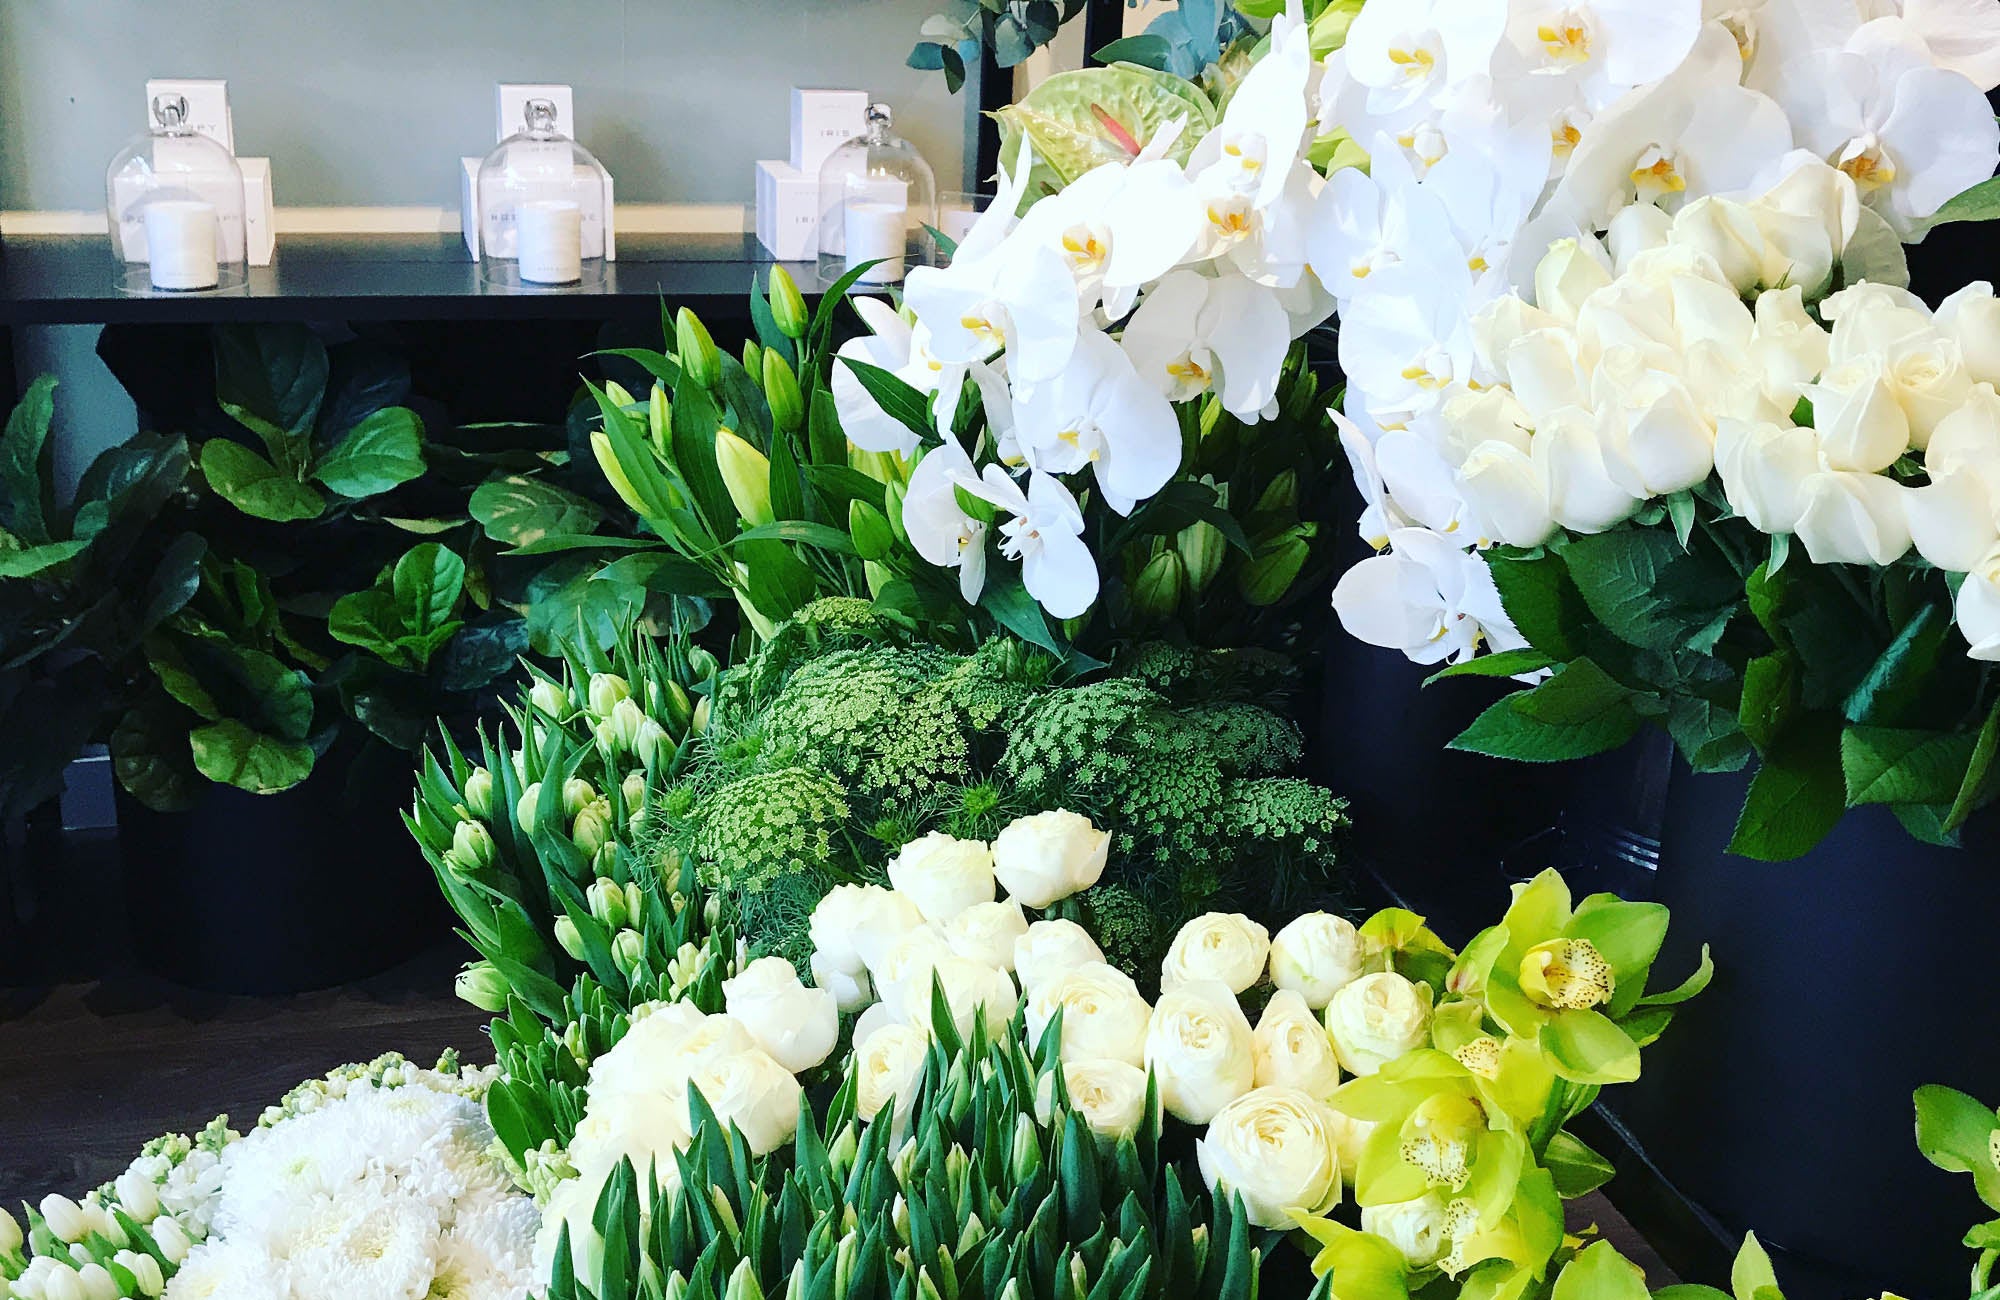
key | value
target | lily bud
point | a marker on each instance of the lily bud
(1203, 549)
(701, 362)
(702, 664)
(746, 472)
(635, 901)
(878, 576)
(659, 418)
(633, 789)
(1272, 570)
(482, 986)
(892, 506)
(753, 358)
(471, 848)
(614, 473)
(628, 949)
(607, 903)
(1157, 593)
(549, 697)
(869, 529)
(781, 393)
(479, 792)
(1281, 496)
(606, 691)
(591, 830)
(698, 724)
(577, 794)
(569, 938)
(788, 305)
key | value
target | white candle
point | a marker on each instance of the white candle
(877, 229)
(181, 239)
(551, 241)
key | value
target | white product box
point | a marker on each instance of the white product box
(259, 228)
(823, 120)
(208, 106)
(510, 108)
(785, 211)
(600, 233)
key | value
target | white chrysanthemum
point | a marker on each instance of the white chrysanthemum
(385, 1250)
(221, 1271)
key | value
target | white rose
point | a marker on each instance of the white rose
(903, 975)
(752, 1091)
(1570, 458)
(879, 1016)
(1709, 311)
(852, 990)
(1790, 348)
(1274, 1149)
(1199, 1047)
(1049, 856)
(1226, 947)
(1316, 955)
(1806, 220)
(1930, 382)
(665, 1043)
(1871, 319)
(1544, 372)
(987, 932)
(1568, 274)
(1853, 519)
(855, 925)
(1416, 1228)
(1968, 438)
(1978, 609)
(1499, 482)
(943, 876)
(1376, 1019)
(889, 1063)
(1051, 949)
(1861, 425)
(1764, 469)
(1972, 318)
(1954, 521)
(1654, 439)
(1496, 325)
(1726, 231)
(1292, 1048)
(1350, 1138)
(1638, 228)
(973, 989)
(1110, 1096)
(796, 1025)
(1488, 415)
(1104, 1017)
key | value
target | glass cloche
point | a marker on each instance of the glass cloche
(174, 199)
(541, 208)
(877, 195)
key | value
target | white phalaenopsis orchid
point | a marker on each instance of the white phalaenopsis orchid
(1101, 414)
(939, 527)
(900, 348)
(1425, 597)
(1046, 536)
(1604, 47)
(1253, 149)
(1406, 52)
(1193, 328)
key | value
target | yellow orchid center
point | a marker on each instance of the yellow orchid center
(1084, 249)
(1188, 371)
(1417, 63)
(1233, 222)
(1864, 161)
(1565, 137)
(1070, 436)
(1656, 174)
(1565, 40)
(1481, 1056)
(982, 328)
(1567, 975)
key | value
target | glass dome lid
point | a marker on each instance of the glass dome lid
(877, 199)
(541, 199)
(173, 199)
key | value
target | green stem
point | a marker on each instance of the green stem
(1982, 1271)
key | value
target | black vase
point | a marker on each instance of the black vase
(311, 887)
(1779, 1100)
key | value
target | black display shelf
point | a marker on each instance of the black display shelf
(70, 280)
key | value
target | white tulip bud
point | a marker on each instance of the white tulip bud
(138, 1196)
(171, 1238)
(145, 1270)
(64, 1217)
(549, 698)
(605, 692)
(97, 1282)
(529, 804)
(479, 792)
(62, 1283)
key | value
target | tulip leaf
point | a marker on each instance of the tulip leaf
(824, 536)
(1578, 712)
(232, 752)
(1904, 765)
(255, 486)
(1795, 798)
(664, 572)
(1599, 1272)
(385, 450)
(1586, 1047)
(695, 420)
(657, 364)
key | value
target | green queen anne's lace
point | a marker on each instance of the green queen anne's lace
(754, 829)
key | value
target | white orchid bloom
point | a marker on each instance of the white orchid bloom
(1911, 134)
(1099, 412)
(1252, 149)
(1695, 132)
(1485, 204)
(1425, 487)
(1963, 35)
(1425, 597)
(1606, 47)
(1409, 337)
(1046, 536)
(1407, 51)
(895, 346)
(940, 529)
(1364, 222)
(1267, 244)
(1358, 435)
(1192, 327)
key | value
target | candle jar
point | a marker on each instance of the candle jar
(877, 203)
(174, 202)
(541, 209)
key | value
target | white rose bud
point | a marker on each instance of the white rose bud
(1274, 1149)
(1972, 318)
(796, 1025)
(1637, 312)
(855, 923)
(1978, 609)
(1109, 1096)
(903, 975)
(1544, 372)
(1654, 439)
(605, 693)
(1416, 1228)
(1806, 220)
(1199, 1047)
(973, 990)
(1292, 1048)
(1104, 1017)
(1486, 415)
(1790, 348)
(1954, 521)
(889, 1063)
(1638, 228)
(619, 731)
(1570, 458)
(1853, 519)
(1051, 949)
(943, 876)
(1861, 425)
(1226, 947)
(64, 1217)
(1968, 438)
(1764, 469)
(1873, 319)
(987, 933)
(1496, 325)
(1316, 956)
(753, 1092)
(1376, 1019)
(852, 989)
(1727, 232)
(1499, 482)
(1567, 274)
(1049, 856)
(1930, 382)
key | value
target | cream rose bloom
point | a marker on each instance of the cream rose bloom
(1049, 856)
(987, 933)
(943, 876)
(1316, 956)
(1376, 1019)
(797, 1026)
(903, 973)
(1104, 1017)
(1292, 1048)
(753, 1092)
(1050, 950)
(1226, 947)
(1110, 1096)
(888, 1064)
(1272, 1147)
(972, 990)
(854, 925)
(1416, 1228)
(1199, 1047)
